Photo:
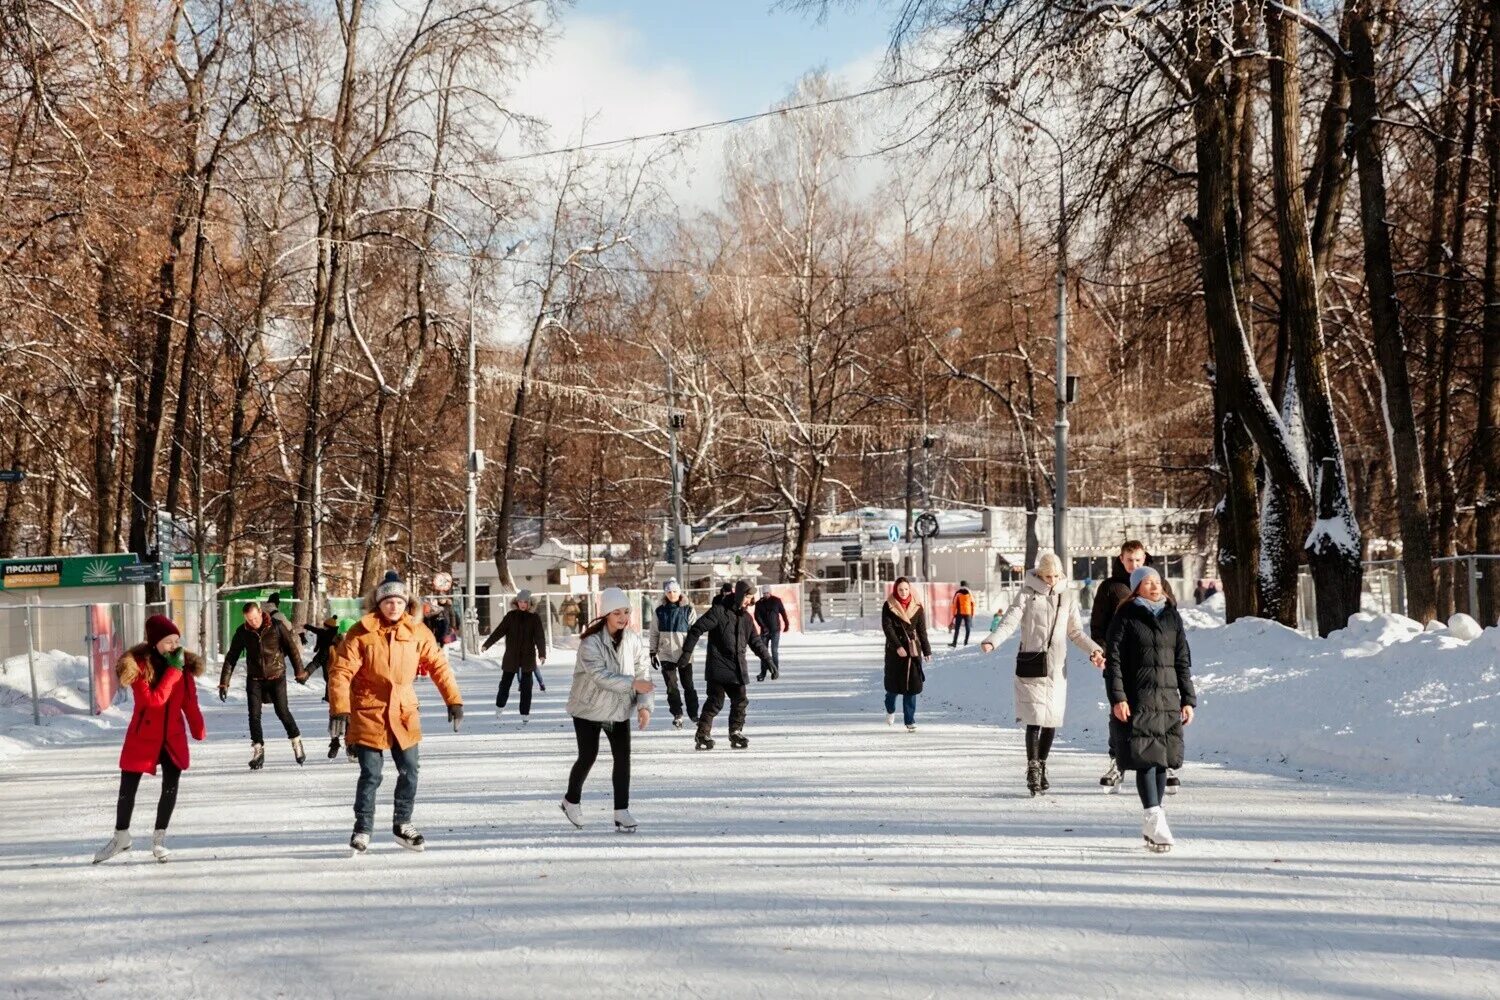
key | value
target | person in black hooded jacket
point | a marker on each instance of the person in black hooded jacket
(1149, 675)
(730, 631)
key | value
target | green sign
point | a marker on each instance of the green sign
(69, 571)
(184, 568)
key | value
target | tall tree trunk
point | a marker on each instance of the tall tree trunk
(1333, 548)
(1390, 340)
(157, 365)
(328, 289)
(1239, 390)
(1487, 435)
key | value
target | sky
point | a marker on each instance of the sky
(628, 67)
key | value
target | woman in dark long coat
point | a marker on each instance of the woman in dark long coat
(1149, 676)
(904, 622)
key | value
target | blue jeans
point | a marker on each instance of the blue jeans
(371, 762)
(908, 707)
(773, 646)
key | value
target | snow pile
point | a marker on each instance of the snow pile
(1381, 702)
(63, 702)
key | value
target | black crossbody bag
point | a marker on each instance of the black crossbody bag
(1033, 665)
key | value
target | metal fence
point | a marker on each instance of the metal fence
(61, 646)
(1459, 579)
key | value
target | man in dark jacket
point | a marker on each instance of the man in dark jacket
(525, 651)
(730, 631)
(770, 617)
(1112, 594)
(265, 639)
(325, 637)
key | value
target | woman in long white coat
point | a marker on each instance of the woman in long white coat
(1047, 615)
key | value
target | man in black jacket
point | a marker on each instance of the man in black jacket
(265, 639)
(770, 616)
(730, 631)
(1112, 594)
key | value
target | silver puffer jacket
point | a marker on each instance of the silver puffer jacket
(604, 678)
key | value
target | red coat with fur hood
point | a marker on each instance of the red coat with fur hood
(164, 715)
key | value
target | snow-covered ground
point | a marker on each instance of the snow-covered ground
(835, 857)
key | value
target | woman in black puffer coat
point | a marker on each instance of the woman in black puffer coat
(1150, 680)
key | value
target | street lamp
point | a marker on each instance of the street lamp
(675, 422)
(1000, 97)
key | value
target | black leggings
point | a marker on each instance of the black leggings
(618, 734)
(130, 781)
(1039, 742)
(1151, 783)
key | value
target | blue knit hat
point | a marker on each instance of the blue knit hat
(1139, 576)
(672, 585)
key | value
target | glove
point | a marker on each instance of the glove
(775, 671)
(455, 715)
(175, 659)
(333, 748)
(655, 663)
(302, 678)
(338, 725)
(223, 693)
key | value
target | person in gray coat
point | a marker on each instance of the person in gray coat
(611, 681)
(1046, 613)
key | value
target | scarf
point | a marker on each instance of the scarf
(1155, 607)
(905, 611)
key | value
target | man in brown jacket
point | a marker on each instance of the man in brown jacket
(373, 704)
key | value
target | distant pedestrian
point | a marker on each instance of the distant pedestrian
(815, 605)
(963, 612)
(525, 652)
(611, 683)
(1149, 677)
(770, 617)
(162, 678)
(1046, 613)
(904, 622)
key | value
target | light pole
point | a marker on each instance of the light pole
(1001, 98)
(469, 634)
(674, 424)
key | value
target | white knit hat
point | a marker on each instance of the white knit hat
(613, 599)
(391, 586)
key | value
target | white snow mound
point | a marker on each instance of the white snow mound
(1462, 626)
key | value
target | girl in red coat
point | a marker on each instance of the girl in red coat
(166, 710)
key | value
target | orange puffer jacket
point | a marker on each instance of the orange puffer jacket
(371, 675)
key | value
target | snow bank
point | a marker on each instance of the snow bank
(1381, 702)
(63, 703)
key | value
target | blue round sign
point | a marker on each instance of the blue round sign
(893, 533)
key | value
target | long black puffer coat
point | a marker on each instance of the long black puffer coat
(1150, 668)
(904, 674)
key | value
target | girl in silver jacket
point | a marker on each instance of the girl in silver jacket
(611, 681)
